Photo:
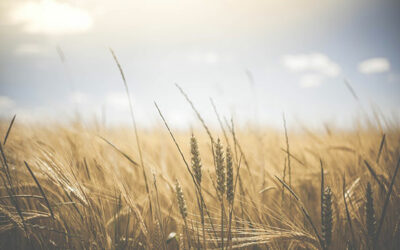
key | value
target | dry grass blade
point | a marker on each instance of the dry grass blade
(387, 201)
(287, 150)
(380, 148)
(347, 211)
(119, 67)
(10, 190)
(353, 93)
(373, 173)
(220, 121)
(40, 189)
(303, 209)
(9, 129)
(134, 127)
(176, 143)
(322, 186)
(266, 189)
(294, 157)
(197, 112)
(159, 224)
(23, 196)
(5, 166)
(237, 145)
(236, 178)
(120, 151)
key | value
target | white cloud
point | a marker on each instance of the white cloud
(6, 103)
(314, 68)
(311, 80)
(374, 65)
(316, 62)
(50, 17)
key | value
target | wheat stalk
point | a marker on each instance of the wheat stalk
(196, 168)
(182, 207)
(370, 220)
(229, 189)
(196, 161)
(221, 185)
(327, 220)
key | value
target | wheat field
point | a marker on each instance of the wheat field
(82, 186)
(200, 124)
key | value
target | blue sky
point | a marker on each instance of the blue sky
(297, 52)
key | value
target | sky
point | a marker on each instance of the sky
(255, 59)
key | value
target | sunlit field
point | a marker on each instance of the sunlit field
(81, 186)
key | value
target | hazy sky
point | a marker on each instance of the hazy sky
(255, 58)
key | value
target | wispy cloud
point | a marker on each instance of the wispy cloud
(314, 68)
(50, 17)
(374, 65)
